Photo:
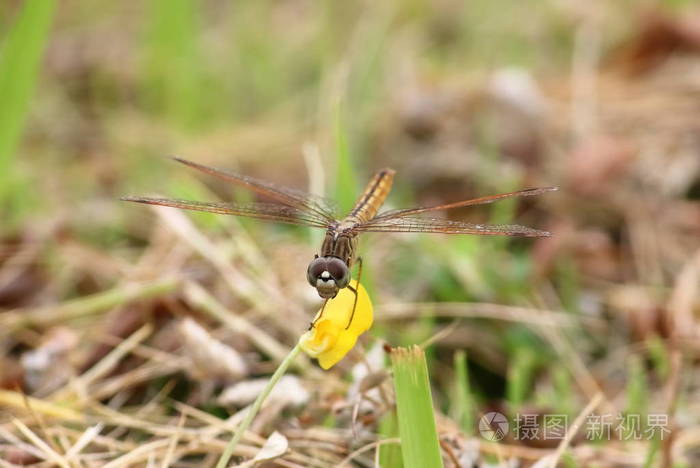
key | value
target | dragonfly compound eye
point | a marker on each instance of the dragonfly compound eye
(332, 272)
(339, 271)
(315, 270)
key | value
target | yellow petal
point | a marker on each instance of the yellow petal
(343, 344)
(336, 332)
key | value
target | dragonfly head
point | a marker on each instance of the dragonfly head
(328, 275)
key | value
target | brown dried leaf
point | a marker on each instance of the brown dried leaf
(638, 308)
(597, 165)
(660, 35)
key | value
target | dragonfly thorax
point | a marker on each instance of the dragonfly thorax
(328, 275)
(340, 243)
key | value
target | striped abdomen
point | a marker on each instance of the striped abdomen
(372, 198)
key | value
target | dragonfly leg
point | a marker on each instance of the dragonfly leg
(323, 307)
(354, 304)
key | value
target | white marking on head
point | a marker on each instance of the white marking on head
(325, 275)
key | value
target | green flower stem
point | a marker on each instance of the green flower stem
(243, 426)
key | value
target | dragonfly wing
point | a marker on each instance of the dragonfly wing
(287, 196)
(268, 211)
(443, 226)
(476, 201)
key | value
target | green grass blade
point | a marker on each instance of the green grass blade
(520, 376)
(464, 405)
(637, 387)
(652, 452)
(173, 64)
(568, 460)
(20, 57)
(414, 404)
(658, 353)
(346, 177)
(390, 454)
(563, 390)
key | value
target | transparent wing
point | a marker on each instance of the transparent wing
(476, 201)
(295, 198)
(268, 211)
(443, 226)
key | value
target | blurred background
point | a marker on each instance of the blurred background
(128, 321)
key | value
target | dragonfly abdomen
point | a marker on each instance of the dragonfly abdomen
(373, 197)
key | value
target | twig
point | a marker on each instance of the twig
(20, 401)
(364, 448)
(106, 364)
(85, 439)
(84, 306)
(173, 441)
(440, 334)
(578, 422)
(40, 444)
(682, 325)
(136, 454)
(526, 315)
(264, 342)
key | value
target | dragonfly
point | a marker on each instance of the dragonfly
(330, 269)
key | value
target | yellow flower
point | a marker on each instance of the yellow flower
(329, 340)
